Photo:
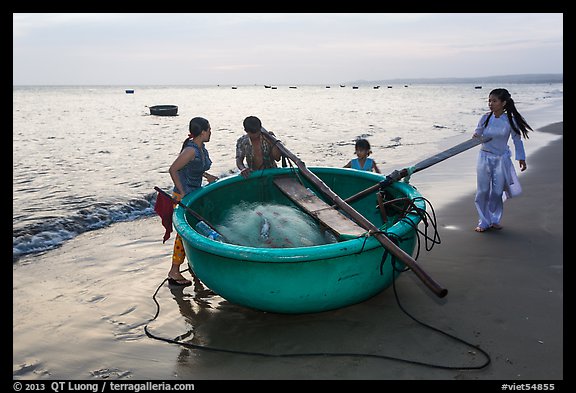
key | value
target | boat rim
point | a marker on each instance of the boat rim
(294, 254)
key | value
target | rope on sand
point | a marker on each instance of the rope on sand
(327, 354)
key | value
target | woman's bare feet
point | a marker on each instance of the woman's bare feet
(176, 278)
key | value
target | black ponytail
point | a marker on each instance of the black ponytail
(516, 120)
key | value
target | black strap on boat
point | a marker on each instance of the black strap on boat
(426, 218)
(394, 239)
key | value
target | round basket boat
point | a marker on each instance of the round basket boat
(298, 279)
(164, 110)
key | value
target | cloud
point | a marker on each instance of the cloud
(305, 46)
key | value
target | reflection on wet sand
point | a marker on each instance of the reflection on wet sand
(218, 331)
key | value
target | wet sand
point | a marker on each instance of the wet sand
(79, 311)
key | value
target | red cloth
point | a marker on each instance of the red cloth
(164, 207)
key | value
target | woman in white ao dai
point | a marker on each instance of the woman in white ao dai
(496, 177)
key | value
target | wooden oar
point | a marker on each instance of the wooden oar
(360, 219)
(435, 159)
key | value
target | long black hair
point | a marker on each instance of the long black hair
(197, 125)
(517, 122)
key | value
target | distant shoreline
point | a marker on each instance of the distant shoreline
(520, 78)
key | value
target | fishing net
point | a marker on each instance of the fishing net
(268, 225)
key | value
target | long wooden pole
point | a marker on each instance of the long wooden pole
(360, 219)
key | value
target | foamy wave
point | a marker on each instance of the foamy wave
(52, 233)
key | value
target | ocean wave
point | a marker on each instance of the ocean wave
(51, 233)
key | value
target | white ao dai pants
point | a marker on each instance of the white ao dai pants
(494, 175)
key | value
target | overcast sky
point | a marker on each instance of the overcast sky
(292, 48)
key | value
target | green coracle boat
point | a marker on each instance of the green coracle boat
(300, 279)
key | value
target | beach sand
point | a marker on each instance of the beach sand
(79, 311)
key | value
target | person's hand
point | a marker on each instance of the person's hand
(522, 165)
(246, 173)
(211, 178)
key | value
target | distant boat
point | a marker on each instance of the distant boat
(405, 85)
(274, 87)
(376, 87)
(327, 87)
(234, 87)
(477, 87)
(342, 85)
(164, 110)
(267, 86)
(389, 87)
(354, 87)
(293, 87)
(129, 91)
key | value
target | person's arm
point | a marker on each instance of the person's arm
(209, 177)
(519, 150)
(276, 154)
(240, 161)
(480, 127)
(375, 167)
(348, 165)
(183, 158)
(240, 155)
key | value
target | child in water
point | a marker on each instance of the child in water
(363, 163)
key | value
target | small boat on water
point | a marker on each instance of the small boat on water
(164, 110)
(129, 91)
(299, 279)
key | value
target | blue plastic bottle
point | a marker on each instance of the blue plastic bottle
(203, 229)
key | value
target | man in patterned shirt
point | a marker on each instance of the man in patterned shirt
(255, 148)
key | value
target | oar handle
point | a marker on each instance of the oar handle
(434, 286)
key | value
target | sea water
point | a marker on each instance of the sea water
(85, 157)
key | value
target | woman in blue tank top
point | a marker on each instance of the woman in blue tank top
(187, 172)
